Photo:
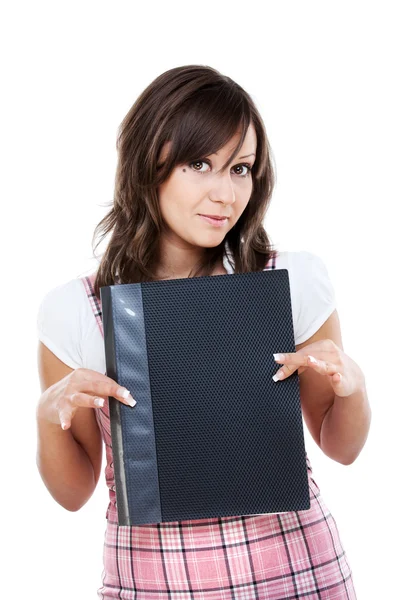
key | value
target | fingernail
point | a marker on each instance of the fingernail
(126, 395)
(312, 359)
(99, 401)
(278, 376)
(278, 357)
(129, 400)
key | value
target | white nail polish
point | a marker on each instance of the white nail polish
(130, 401)
(278, 357)
(312, 360)
(277, 376)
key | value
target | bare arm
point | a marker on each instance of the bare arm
(69, 461)
(338, 425)
(64, 466)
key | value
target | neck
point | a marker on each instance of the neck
(219, 269)
(176, 261)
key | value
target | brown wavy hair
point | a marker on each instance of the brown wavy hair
(198, 110)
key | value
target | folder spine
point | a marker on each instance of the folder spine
(115, 406)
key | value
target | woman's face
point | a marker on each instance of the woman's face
(201, 188)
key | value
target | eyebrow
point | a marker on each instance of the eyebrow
(245, 156)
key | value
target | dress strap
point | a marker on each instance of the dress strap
(271, 264)
(88, 283)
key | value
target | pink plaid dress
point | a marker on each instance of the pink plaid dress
(280, 556)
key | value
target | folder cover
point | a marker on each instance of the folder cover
(212, 435)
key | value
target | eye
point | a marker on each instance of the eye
(246, 166)
(198, 162)
(240, 166)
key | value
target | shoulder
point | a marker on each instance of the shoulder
(62, 320)
(312, 293)
(66, 300)
(303, 268)
(299, 261)
(71, 289)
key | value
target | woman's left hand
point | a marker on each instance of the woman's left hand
(325, 357)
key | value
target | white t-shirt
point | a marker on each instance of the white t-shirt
(67, 326)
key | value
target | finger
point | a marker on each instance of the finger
(92, 379)
(300, 357)
(65, 416)
(82, 399)
(337, 377)
(90, 375)
(340, 385)
(107, 389)
(78, 399)
(322, 366)
(86, 400)
(284, 372)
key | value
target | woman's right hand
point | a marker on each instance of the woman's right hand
(81, 388)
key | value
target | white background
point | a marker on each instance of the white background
(325, 79)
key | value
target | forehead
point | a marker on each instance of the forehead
(249, 143)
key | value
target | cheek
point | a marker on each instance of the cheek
(176, 199)
(242, 202)
(170, 191)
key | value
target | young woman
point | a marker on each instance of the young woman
(193, 184)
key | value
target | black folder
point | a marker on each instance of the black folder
(212, 435)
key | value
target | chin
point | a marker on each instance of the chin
(210, 243)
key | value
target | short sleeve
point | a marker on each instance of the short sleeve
(59, 322)
(313, 294)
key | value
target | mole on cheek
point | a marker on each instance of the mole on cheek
(184, 170)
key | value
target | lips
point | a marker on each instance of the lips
(215, 217)
(215, 221)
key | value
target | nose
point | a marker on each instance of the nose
(222, 189)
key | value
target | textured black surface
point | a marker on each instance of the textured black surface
(228, 439)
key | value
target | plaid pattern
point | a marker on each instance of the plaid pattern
(280, 556)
